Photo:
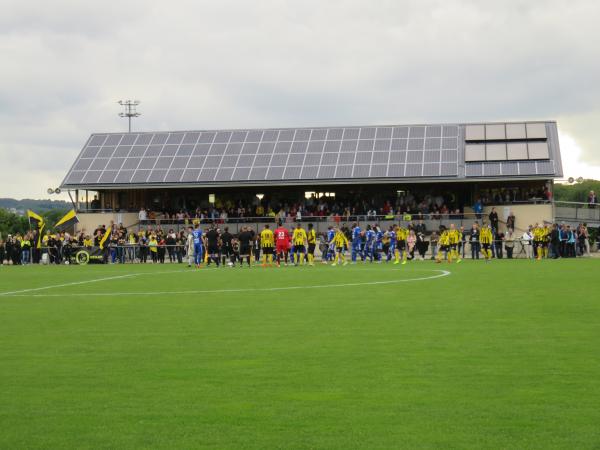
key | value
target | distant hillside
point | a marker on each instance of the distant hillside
(35, 205)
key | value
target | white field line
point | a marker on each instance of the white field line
(441, 273)
(76, 283)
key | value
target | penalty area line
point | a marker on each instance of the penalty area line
(440, 274)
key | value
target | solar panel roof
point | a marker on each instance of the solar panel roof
(290, 155)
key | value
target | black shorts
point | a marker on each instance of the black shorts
(444, 248)
(339, 249)
(213, 249)
(226, 250)
(267, 250)
(299, 249)
(401, 245)
(311, 248)
(485, 246)
(453, 246)
(244, 250)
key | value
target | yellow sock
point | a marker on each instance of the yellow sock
(545, 252)
(270, 259)
(489, 253)
(310, 258)
(264, 258)
(404, 256)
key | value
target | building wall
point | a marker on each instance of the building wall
(90, 221)
(525, 215)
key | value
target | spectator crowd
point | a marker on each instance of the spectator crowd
(153, 243)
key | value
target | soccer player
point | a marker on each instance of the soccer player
(226, 246)
(299, 240)
(391, 234)
(330, 251)
(282, 239)
(311, 239)
(198, 250)
(212, 245)
(455, 236)
(401, 250)
(369, 249)
(340, 242)
(539, 236)
(245, 238)
(266, 241)
(547, 239)
(444, 245)
(356, 241)
(485, 240)
(378, 243)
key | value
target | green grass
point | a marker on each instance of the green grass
(498, 355)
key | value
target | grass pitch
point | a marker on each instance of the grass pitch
(498, 355)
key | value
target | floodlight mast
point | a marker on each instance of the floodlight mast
(130, 110)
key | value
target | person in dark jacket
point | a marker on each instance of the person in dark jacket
(555, 242)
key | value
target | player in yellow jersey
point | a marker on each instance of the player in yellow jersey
(311, 239)
(547, 232)
(299, 240)
(340, 242)
(267, 241)
(485, 240)
(538, 241)
(444, 245)
(454, 237)
(401, 249)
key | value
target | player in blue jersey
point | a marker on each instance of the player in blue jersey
(329, 251)
(369, 248)
(378, 243)
(392, 248)
(198, 247)
(356, 241)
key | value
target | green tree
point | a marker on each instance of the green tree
(577, 192)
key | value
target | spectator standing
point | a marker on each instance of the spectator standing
(498, 243)
(433, 241)
(555, 242)
(478, 208)
(509, 243)
(26, 249)
(171, 242)
(592, 199)
(474, 241)
(153, 246)
(510, 221)
(142, 216)
(494, 220)
(527, 241)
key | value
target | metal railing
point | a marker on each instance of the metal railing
(577, 212)
(321, 223)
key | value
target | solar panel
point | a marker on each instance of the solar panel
(304, 153)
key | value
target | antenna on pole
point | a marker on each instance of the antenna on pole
(130, 110)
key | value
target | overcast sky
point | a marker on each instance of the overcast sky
(235, 64)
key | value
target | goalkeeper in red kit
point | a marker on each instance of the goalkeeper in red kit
(282, 238)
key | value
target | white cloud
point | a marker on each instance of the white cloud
(573, 164)
(206, 64)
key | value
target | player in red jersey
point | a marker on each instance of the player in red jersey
(282, 239)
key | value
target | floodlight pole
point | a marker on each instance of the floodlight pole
(130, 110)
